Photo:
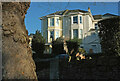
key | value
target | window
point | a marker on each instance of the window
(80, 19)
(81, 33)
(96, 26)
(75, 33)
(51, 21)
(52, 35)
(75, 20)
(57, 34)
(57, 21)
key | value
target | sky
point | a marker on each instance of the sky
(39, 9)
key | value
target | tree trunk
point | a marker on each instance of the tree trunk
(17, 59)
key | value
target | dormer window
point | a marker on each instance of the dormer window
(75, 19)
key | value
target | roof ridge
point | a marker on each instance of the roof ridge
(109, 14)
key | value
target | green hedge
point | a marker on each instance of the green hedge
(110, 35)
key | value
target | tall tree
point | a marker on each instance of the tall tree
(110, 35)
(38, 43)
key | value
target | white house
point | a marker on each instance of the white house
(72, 24)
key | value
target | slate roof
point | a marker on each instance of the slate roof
(103, 16)
(97, 17)
(68, 11)
(58, 13)
(77, 10)
(108, 14)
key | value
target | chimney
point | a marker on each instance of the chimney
(89, 9)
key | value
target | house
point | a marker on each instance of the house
(30, 40)
(72, 24)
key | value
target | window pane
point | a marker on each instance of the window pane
(80, 19)
(96, 26)
(52, 35)
(51, 21)
(81, 33)
(75, 33)
(75, 19)
(57, 22)
(57, 34)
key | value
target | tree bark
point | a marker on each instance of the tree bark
(17, 59)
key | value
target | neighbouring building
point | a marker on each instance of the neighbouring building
(72, 24)
(30, 40)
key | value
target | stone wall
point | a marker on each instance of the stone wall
(16, 54)
(98, 68)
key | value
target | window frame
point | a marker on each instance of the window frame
(80, 19)
(75, 33)
(81, 33)
(57, 34)
(96, 26)
(75, 22)
(57, 22)
(52, 21)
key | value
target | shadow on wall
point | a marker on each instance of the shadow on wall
(91, 43)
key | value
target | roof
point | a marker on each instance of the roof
(68, 11)
(108, 14)
(58, 13)
(92, 29)
(97, 17)
(103, 16)
(77, 10)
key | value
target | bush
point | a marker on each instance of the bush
(110, 35)
(58, 46)
(73, 44)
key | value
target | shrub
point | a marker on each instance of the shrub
(110, 35)
(73, 44)
(58, 46)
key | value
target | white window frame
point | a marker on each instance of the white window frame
(81, 34)
(80, 19)
(73, 33)
(76, 20)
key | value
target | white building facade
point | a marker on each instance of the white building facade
(72, 24)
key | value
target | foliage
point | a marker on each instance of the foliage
(73, 44)
(58, 46)
(110, 35)
(79, 41)
(38, 43)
